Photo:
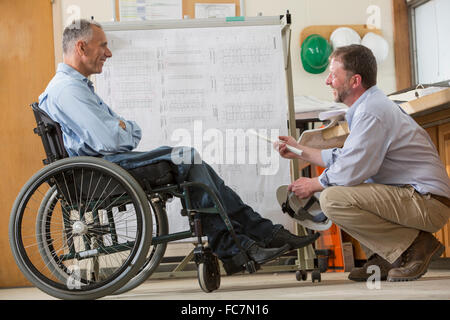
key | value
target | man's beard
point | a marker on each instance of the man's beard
(342, 95)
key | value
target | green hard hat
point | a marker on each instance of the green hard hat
(314, 53)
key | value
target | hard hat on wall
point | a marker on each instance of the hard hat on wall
(378, 45)
(344, 36)
(314, 53)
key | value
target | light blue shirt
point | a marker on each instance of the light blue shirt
(89, 126)
(385, 146)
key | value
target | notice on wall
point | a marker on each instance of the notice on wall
(214, 10)
(141, 10)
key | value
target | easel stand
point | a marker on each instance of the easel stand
(306, 255)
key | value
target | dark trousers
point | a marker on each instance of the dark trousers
(249, 226)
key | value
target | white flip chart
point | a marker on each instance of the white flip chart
(205, 88)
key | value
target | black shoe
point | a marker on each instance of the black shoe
(262, 255)
(283, 237)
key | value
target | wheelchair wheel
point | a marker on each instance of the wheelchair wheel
(208, 272)
(80, 228)
(44, 244)
(156, 252)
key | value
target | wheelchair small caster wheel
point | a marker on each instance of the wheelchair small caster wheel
(208, 272)
(315, 275)
(301, 275)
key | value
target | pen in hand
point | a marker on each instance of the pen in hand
(276, 143)
(282, 145)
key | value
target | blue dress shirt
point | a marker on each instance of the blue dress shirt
(70, 100)
(385, 146)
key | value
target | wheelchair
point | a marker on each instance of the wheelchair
(83, 227)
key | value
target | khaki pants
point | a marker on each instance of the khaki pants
(385, 219)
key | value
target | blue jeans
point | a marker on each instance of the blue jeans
(249, 226)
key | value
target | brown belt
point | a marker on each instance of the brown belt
(442, 199)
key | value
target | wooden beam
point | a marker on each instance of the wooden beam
(402, 46)
(117, 10)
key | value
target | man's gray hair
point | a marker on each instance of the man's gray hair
(78, 30)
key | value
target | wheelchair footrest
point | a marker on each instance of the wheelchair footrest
(238, 263)
(186, 212)
(251, 266)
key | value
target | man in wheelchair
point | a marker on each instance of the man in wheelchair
(91, 128)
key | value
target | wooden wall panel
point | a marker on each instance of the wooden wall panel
(433, 133)
(326, 30)
(444, 152)
(440, 135)
(26, 66)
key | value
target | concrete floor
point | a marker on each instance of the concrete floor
(435, 285)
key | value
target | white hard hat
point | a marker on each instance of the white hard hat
(344, 36)
(377, 44)
(306, 212)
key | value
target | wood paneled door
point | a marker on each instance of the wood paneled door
(26, 66)
(438, 127)
(444, 151)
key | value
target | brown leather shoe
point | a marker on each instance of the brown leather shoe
(361, 274)
(416, 258)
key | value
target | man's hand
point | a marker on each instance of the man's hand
(282, 149)
(311, 155)
(305, 187)
(122, 125)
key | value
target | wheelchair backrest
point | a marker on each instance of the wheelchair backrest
(51, 135)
